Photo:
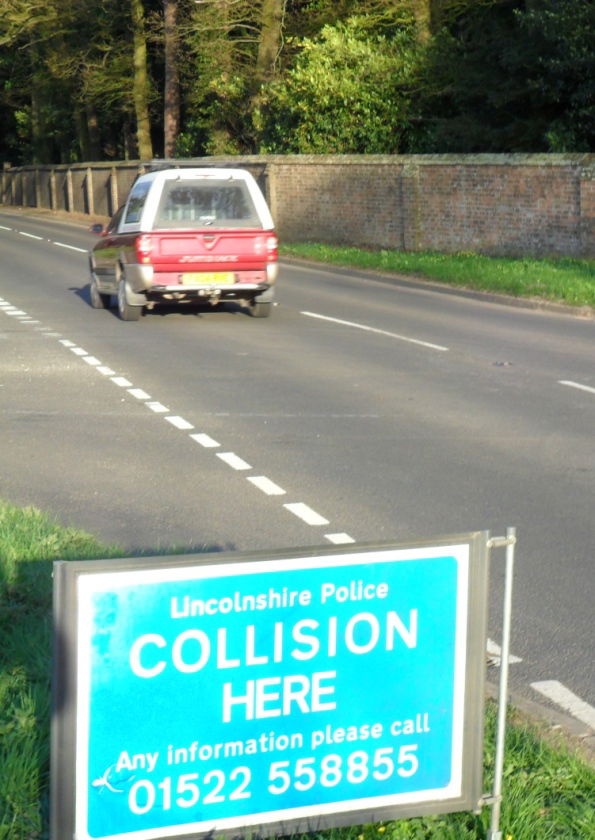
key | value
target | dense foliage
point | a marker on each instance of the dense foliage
(113, 79)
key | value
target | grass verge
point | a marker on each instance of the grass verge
(548, 792)
(565, 280)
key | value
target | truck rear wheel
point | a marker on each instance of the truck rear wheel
(260, 310)
(125, 310)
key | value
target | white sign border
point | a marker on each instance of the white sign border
(89, 584)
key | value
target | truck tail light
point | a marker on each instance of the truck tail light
(272, 245)
(144, 248)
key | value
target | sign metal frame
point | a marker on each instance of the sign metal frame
(75, 582)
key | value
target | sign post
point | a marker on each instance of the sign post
(268, 692)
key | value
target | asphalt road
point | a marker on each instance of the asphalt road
(362, 410)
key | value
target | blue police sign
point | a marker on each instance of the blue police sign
(249, 691)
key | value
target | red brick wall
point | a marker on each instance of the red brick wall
(496, 204)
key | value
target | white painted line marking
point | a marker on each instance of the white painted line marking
(578, 385)
(157, 407)
(121, 382)
(70, 247)
(306, 513)
(30, 235)
(375, 330)
(234, 461)
(179, 422)
(17, 312)
(106, 371)
(78, 351)
(339, 539)
(563, 697)
(139, 394)
(266, 485)
(33, 321)
(205, 441)
(494, 652)
(4, 228)
(91, 360)
(67, 343)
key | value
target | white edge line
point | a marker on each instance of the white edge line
(566, 699)
(577, 385)
(495, 651)
(70, 247)
(376, 330)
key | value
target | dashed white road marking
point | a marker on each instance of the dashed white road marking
(366, 328)
(494, 652)
(205, 440)
(563, 697)
(306, 513)
(78, 351)
(577, 385)
(29, 235)
(266, 485)
(67, 343)
(179, 422)
(70, 247)
(121, 382)
(339, 539)
(91, 360)
(104, 370)
(139, 394)
(157, 407)
(2, 227)
(234, 461)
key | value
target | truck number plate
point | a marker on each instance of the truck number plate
(208, 278)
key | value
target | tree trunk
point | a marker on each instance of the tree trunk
(269, 42)
(171, 97)
(422, 10)
(141, 81)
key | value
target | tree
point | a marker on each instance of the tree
(350, 91)
(171, 87)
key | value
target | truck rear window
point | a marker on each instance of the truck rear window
(195, 204)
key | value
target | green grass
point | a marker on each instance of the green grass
(548, 792)
(565, 280)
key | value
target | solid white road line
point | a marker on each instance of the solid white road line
(376, 330)
(179, 422)
(563, 697)
(577, 385)
(206, 441)
(234, 461)
(266, 485)
(306, 513)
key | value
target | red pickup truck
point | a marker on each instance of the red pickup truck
(187, 235)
